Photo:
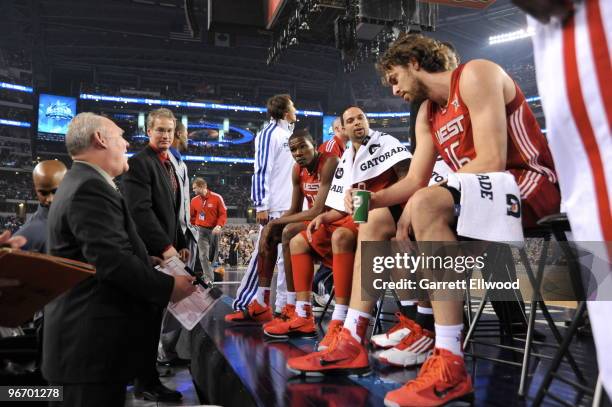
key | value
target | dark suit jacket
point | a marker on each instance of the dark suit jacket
(147, 190)
(94, 332)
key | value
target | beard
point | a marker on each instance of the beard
(420, 92)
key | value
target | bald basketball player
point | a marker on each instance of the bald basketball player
(47, 176)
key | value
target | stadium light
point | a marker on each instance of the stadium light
(177, 103)
(13, 86)
(14, 123)
(511, 36)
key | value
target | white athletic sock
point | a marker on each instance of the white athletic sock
(357, 322)
(408, 303)
(339, 312)
(291, 298)
(449, 337)
(423, 310)
(261, 295)
(300, 309)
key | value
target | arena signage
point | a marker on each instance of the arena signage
(178, 103)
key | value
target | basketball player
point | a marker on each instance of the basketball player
(332, 235)
(271, 195)
(311, 178)
(478, 120)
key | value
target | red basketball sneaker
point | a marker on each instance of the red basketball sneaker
(442, 379)
(286, 314)
(333, 329)
(296, 327)
(254, 314)
(344, 356)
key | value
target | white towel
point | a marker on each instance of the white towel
(440, 172)
(490, 207)
(380, 152)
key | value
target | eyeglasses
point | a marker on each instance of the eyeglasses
(161, 130)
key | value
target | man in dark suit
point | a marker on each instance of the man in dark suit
(153, 194)
(94, 332)
(46, 177)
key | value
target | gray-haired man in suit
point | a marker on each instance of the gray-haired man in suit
(93, 333)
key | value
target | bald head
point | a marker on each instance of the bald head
(339, 129)
(47, 176)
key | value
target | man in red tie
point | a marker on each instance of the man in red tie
(151, 190)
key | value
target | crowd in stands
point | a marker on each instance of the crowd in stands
(15, 132)
(234, 195)
(11, 223)
(17, 58)
(11, 113)
(21, 146)
(241, 150)
(10, 160)
(16, 186)
(10, 95)
(16, 66)
(15, 147)
(524, 75)
(236, 244)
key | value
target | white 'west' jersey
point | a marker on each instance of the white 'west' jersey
(271, 186)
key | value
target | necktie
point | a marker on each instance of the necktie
(173, 181)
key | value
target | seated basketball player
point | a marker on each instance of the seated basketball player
(311, 176)
(478, 120)
(332, 235)
(334, 146)
(402, 347)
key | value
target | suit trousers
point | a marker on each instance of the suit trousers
(148, 374)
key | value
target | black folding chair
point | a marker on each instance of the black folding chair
(559, 225)
(527, 351)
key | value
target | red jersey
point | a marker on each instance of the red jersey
(208, 211)
(384, 180)
(334, 146)
(528, 159)
(310, 182)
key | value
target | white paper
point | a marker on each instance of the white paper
(189, 311)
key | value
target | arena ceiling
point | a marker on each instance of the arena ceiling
(131, 39)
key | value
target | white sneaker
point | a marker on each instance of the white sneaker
(394, 335)
(412, 350)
